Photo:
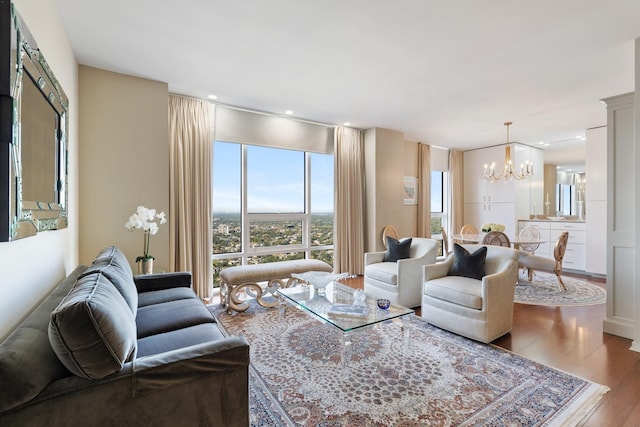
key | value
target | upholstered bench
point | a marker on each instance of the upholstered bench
(276, 274)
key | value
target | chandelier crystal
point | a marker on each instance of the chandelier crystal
(507, 172)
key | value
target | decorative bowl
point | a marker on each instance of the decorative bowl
(556, 218)
(383, 303)
(318, 279)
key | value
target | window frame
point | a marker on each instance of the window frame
(444, 214)
(247, 219)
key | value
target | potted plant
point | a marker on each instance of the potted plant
(145, 219)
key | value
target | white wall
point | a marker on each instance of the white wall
(30, 267)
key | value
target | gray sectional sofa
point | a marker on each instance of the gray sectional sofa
(106, 348)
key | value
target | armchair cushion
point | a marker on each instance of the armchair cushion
(397, 249)
(467, 292)
(386, 272)
(467, 264)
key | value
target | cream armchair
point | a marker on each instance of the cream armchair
(401, 281)
(478, 309)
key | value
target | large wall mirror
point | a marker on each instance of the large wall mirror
(33, 130)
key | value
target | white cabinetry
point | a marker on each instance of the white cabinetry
(501, 202)
(596, 200)
(574, 256)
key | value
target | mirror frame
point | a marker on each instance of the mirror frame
(23, 218)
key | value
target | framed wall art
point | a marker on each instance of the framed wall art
(410, 190)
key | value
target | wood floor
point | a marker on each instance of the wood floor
(571, 339)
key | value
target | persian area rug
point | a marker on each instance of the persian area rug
(435, 378)
(544, 290)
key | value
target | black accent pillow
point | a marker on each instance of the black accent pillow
(397, 249)
(466, 264)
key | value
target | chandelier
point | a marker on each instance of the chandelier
(507, 172)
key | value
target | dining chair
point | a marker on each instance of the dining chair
(389, 231)
(529, 235)
(468, 229)
(445, 242)
(535, 262)
(496, 238)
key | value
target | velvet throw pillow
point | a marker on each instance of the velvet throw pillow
(466, 264)
(397, 249)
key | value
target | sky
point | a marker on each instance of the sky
(275, 180)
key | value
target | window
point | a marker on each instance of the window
(438, 206)
(270, 204)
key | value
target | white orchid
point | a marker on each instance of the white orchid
(145, 219)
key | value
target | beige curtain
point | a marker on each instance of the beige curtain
(424, 189)
(191, 136)
(349, 200)
(456, 191)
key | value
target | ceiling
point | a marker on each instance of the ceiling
(448, 73)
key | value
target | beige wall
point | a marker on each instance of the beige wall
(388, 158)
(124, 162)
(31, 266)
(550, 178)
(410, 212)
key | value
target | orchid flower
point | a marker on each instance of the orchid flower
(145, 219)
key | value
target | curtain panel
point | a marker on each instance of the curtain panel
(424, 189)
(349, 200)
(190, 141)
(456, 190)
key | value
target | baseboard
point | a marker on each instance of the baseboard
(619, 327)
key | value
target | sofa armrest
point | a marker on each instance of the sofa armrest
(373, 258)
(188, 364)
(156, 282)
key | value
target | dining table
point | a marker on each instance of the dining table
(477, 238)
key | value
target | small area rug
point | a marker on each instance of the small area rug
(544, 290)
(297, 377)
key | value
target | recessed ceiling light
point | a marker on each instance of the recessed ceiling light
(288, 112)
(546, 144)
(212, 97)
(347, 124)
(541, 142)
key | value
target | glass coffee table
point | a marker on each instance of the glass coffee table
(317, 303)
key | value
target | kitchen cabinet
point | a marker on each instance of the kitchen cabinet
(596, 200)
(575, 254)
(501, 202)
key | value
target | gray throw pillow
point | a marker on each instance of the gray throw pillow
(92, 331)
(466, 264)
(397, 249)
